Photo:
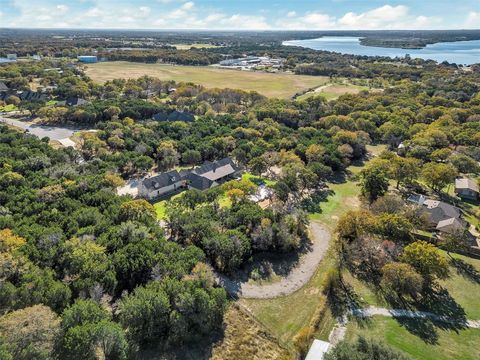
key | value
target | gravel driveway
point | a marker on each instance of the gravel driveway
(298, 277)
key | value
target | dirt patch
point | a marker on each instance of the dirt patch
(245, 338)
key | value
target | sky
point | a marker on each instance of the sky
(241, 14)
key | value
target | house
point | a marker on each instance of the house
(29, 95)
(218, 171)
(74, 101)
(161, 184)
(199, 182)
(318, 350)
(174, 116)
(467, 188)
(3, 87)
(204, 177)
(451, 226)
(438, 211)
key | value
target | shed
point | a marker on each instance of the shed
(318, 350)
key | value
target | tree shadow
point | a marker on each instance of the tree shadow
(342, 298)
(439, 301)
(423, 328)
(466, 270)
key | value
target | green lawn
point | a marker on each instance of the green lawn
(280, 85)
(448, 345)
(161, 206)
(8, 108)
(251, 177)
(463, 289)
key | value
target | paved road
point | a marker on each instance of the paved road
(298, 277)
(60, 134)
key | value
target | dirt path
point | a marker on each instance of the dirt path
(399, 313)
(298, 277)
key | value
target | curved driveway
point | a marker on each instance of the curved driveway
(297, 277)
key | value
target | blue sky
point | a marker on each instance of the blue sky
(241, 14)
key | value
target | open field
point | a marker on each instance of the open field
(333, 91)
(272, 85)
(463, 287)
(449, 344)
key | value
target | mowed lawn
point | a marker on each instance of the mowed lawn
(271, 85)
(449, 344)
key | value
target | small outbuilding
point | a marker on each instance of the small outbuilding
(318, 350)
(467, 188)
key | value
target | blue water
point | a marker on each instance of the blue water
(459, 52)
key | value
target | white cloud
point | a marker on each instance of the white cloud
(473, 20)
(185, 14)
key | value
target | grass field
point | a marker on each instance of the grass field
(272, 85)
(464, 289)
(449, 345)
(333, 91)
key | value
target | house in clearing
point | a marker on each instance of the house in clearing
(162, 184)
(441, 216)
(467, 188)
(218, 171)
(203, 177)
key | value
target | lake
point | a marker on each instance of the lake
(459, 52)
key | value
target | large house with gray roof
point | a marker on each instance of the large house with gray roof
(203, 177)
(162, 184)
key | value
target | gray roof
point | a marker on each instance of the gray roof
(174, 116)
(3, 87)
(439, 210)
(216, 170)
(450, 225)
(466, 183)
(73, 102)
(162, 180)
(199, 182)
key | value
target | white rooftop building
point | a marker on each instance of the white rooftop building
(318, 350)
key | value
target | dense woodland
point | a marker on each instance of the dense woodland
(96, 272)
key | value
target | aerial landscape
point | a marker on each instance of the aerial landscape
(234, 181)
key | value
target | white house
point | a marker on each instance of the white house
(156, 186)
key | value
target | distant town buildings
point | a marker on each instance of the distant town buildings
(252, 62)
(12, 57)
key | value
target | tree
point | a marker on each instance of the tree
(405, 170)
(454, 241)
(438, 175)
(426, 260)
(167, 155)
(10, 242)
(137, 210)
(402, 279)
(374, 183)
(30, 333)
(191, 157)
(13, 100)
(364, 349)
(82, 312)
